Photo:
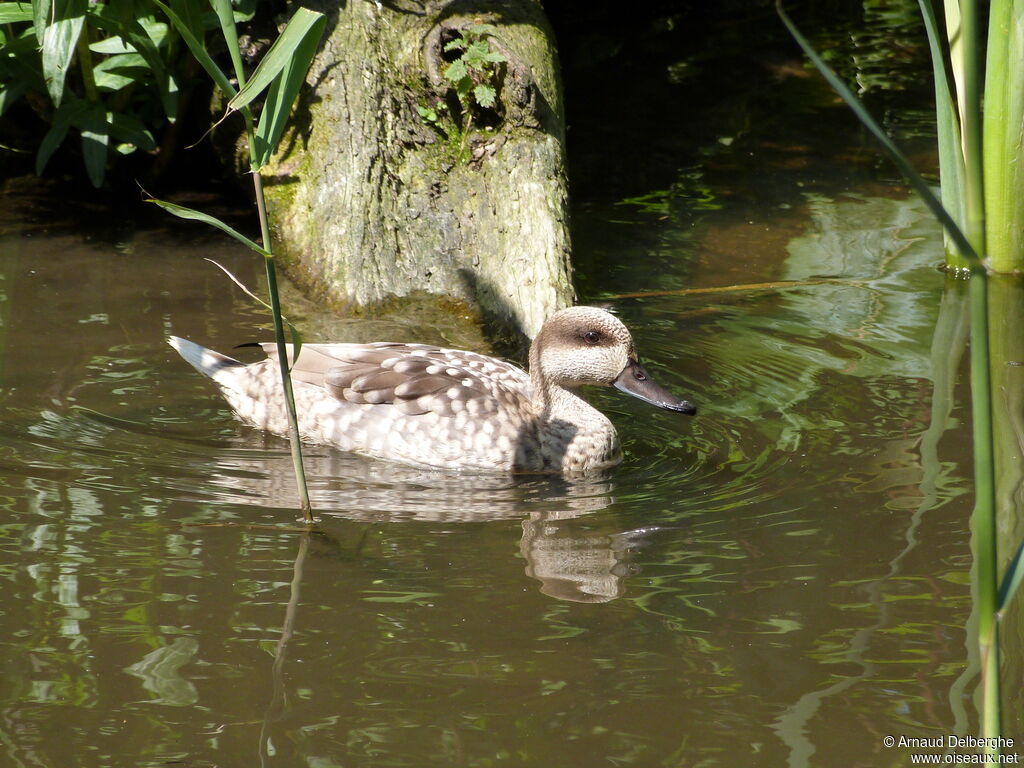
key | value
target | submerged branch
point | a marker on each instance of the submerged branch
(778, 285)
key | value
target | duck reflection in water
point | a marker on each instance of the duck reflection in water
(573, 555)
(430, 407)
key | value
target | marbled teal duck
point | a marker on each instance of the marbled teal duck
(450, 409)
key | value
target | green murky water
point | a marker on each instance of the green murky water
(783, 580)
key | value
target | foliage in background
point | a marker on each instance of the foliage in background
(111, 74)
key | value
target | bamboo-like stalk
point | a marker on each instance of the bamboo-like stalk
(227, 23)
(969, 237)
(947, 123)
(1003, 135)
(970, 116)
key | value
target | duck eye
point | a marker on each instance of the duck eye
(592, 337)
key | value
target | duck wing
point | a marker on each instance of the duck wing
(414, 378)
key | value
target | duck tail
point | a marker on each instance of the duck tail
(206, 361)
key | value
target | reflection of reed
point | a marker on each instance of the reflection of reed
(277, 708)
(1006, 350)
(948, 344)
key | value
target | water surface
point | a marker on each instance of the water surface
(782, 580)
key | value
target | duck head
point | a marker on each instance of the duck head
(587, 345)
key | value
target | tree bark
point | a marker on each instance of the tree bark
(371, 200)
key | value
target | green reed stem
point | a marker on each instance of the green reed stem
(970, 241)
(227, 24)
(974, 188)
(1004, 137)
(947, 123)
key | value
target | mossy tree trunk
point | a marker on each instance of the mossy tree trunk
(394, 185)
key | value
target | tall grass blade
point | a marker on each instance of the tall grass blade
(296, 336)
(60, 36)
(1004, 137)
(226, 17)
(913, 177)
(294, 64)
(1011, 580)
(199, 51)
(279, 56)
(190, 213)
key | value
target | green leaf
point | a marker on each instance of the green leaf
(122, 61)
(1011, 579)
(459, 43)
(11, 13)
(109, 82)
(139, 37)
(302, 47)
(456, 71)
(40, 18)
(304, 26)
(476, 54)
(54, 137)
(130, 130)
(427, 114)
(111, 46)
(199, 51)
(244, 9)
(58, 44)
(190, 213)
(155, 30)
(95, 129)
(484, 95)
(480, 30)
(11, 93)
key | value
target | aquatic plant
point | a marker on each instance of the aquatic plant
(960, 121)
(980, 119)
(279, 75)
